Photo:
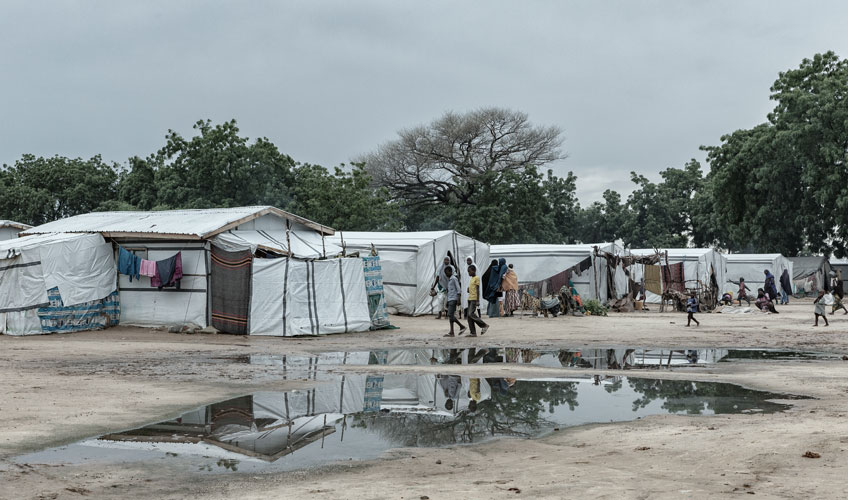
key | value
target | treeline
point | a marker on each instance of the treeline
(778, 187)
(217, 167)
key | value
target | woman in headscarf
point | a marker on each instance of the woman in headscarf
(440, 287)
(491, 285)
(770, 289)
(785, 287)
(509, 284)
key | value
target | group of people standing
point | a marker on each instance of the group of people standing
(768, 295)
(498, 286)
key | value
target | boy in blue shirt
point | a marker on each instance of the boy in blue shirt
(692, 308)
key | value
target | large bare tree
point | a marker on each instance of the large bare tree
(440, 162)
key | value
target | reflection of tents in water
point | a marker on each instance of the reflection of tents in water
(615, 359)
(266, 425)
(424, 393)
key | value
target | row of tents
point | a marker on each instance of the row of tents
(264, 271)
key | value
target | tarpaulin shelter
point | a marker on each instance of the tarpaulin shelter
(9, 229)
(751, 266)
(410, 261)
(840, 267)
(233, 259)
(811, 274)
(700, 268)
(308, 297)
(533, 263)
(56, 282)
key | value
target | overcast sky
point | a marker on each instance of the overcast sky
(634, 85)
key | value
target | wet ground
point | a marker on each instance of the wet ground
(357, 417)
(360, 416)
(638, 400)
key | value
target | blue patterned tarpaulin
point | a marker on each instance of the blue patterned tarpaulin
(93, 315)
(374, 288)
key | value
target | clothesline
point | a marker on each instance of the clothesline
(162, 273)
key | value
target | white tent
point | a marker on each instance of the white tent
(80, 267)
(296, 297)
(410, 261)
(811, 273)
(9, 229)
(698, 266)
(751, 266)
(158, 235)
(303, 242)
(538, 262)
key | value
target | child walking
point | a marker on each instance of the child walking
(453, 298)
(473, 300)
(819, 302)
(692, 308)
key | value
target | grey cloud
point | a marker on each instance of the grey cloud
(634, 85)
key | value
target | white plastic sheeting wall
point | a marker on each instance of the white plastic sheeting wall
(410, 261)
(305, 243)
(296, 297)
(80, 265)
(144, 305)
(539, 262)
(751, 267)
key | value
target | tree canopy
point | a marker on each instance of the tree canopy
(447, 160)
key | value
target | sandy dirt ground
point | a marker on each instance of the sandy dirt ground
(61, 388)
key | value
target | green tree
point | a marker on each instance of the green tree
(659, 214)
(812, 115)
(756, 196)
(448, 161)
(602, 221)
(342, 200)
(218, 168)
(36, 190)
(137, 184)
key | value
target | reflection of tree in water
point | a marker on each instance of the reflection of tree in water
(520, 412)
(683, 396)
(615, 385)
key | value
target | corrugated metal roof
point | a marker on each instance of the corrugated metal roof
(195, 224)
(11, 223)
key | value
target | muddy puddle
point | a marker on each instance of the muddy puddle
(360, 416)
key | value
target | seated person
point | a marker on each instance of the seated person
(727, 299)
(763, 302)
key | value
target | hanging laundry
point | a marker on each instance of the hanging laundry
(128, 263)
(147, 268)
(168, 272)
